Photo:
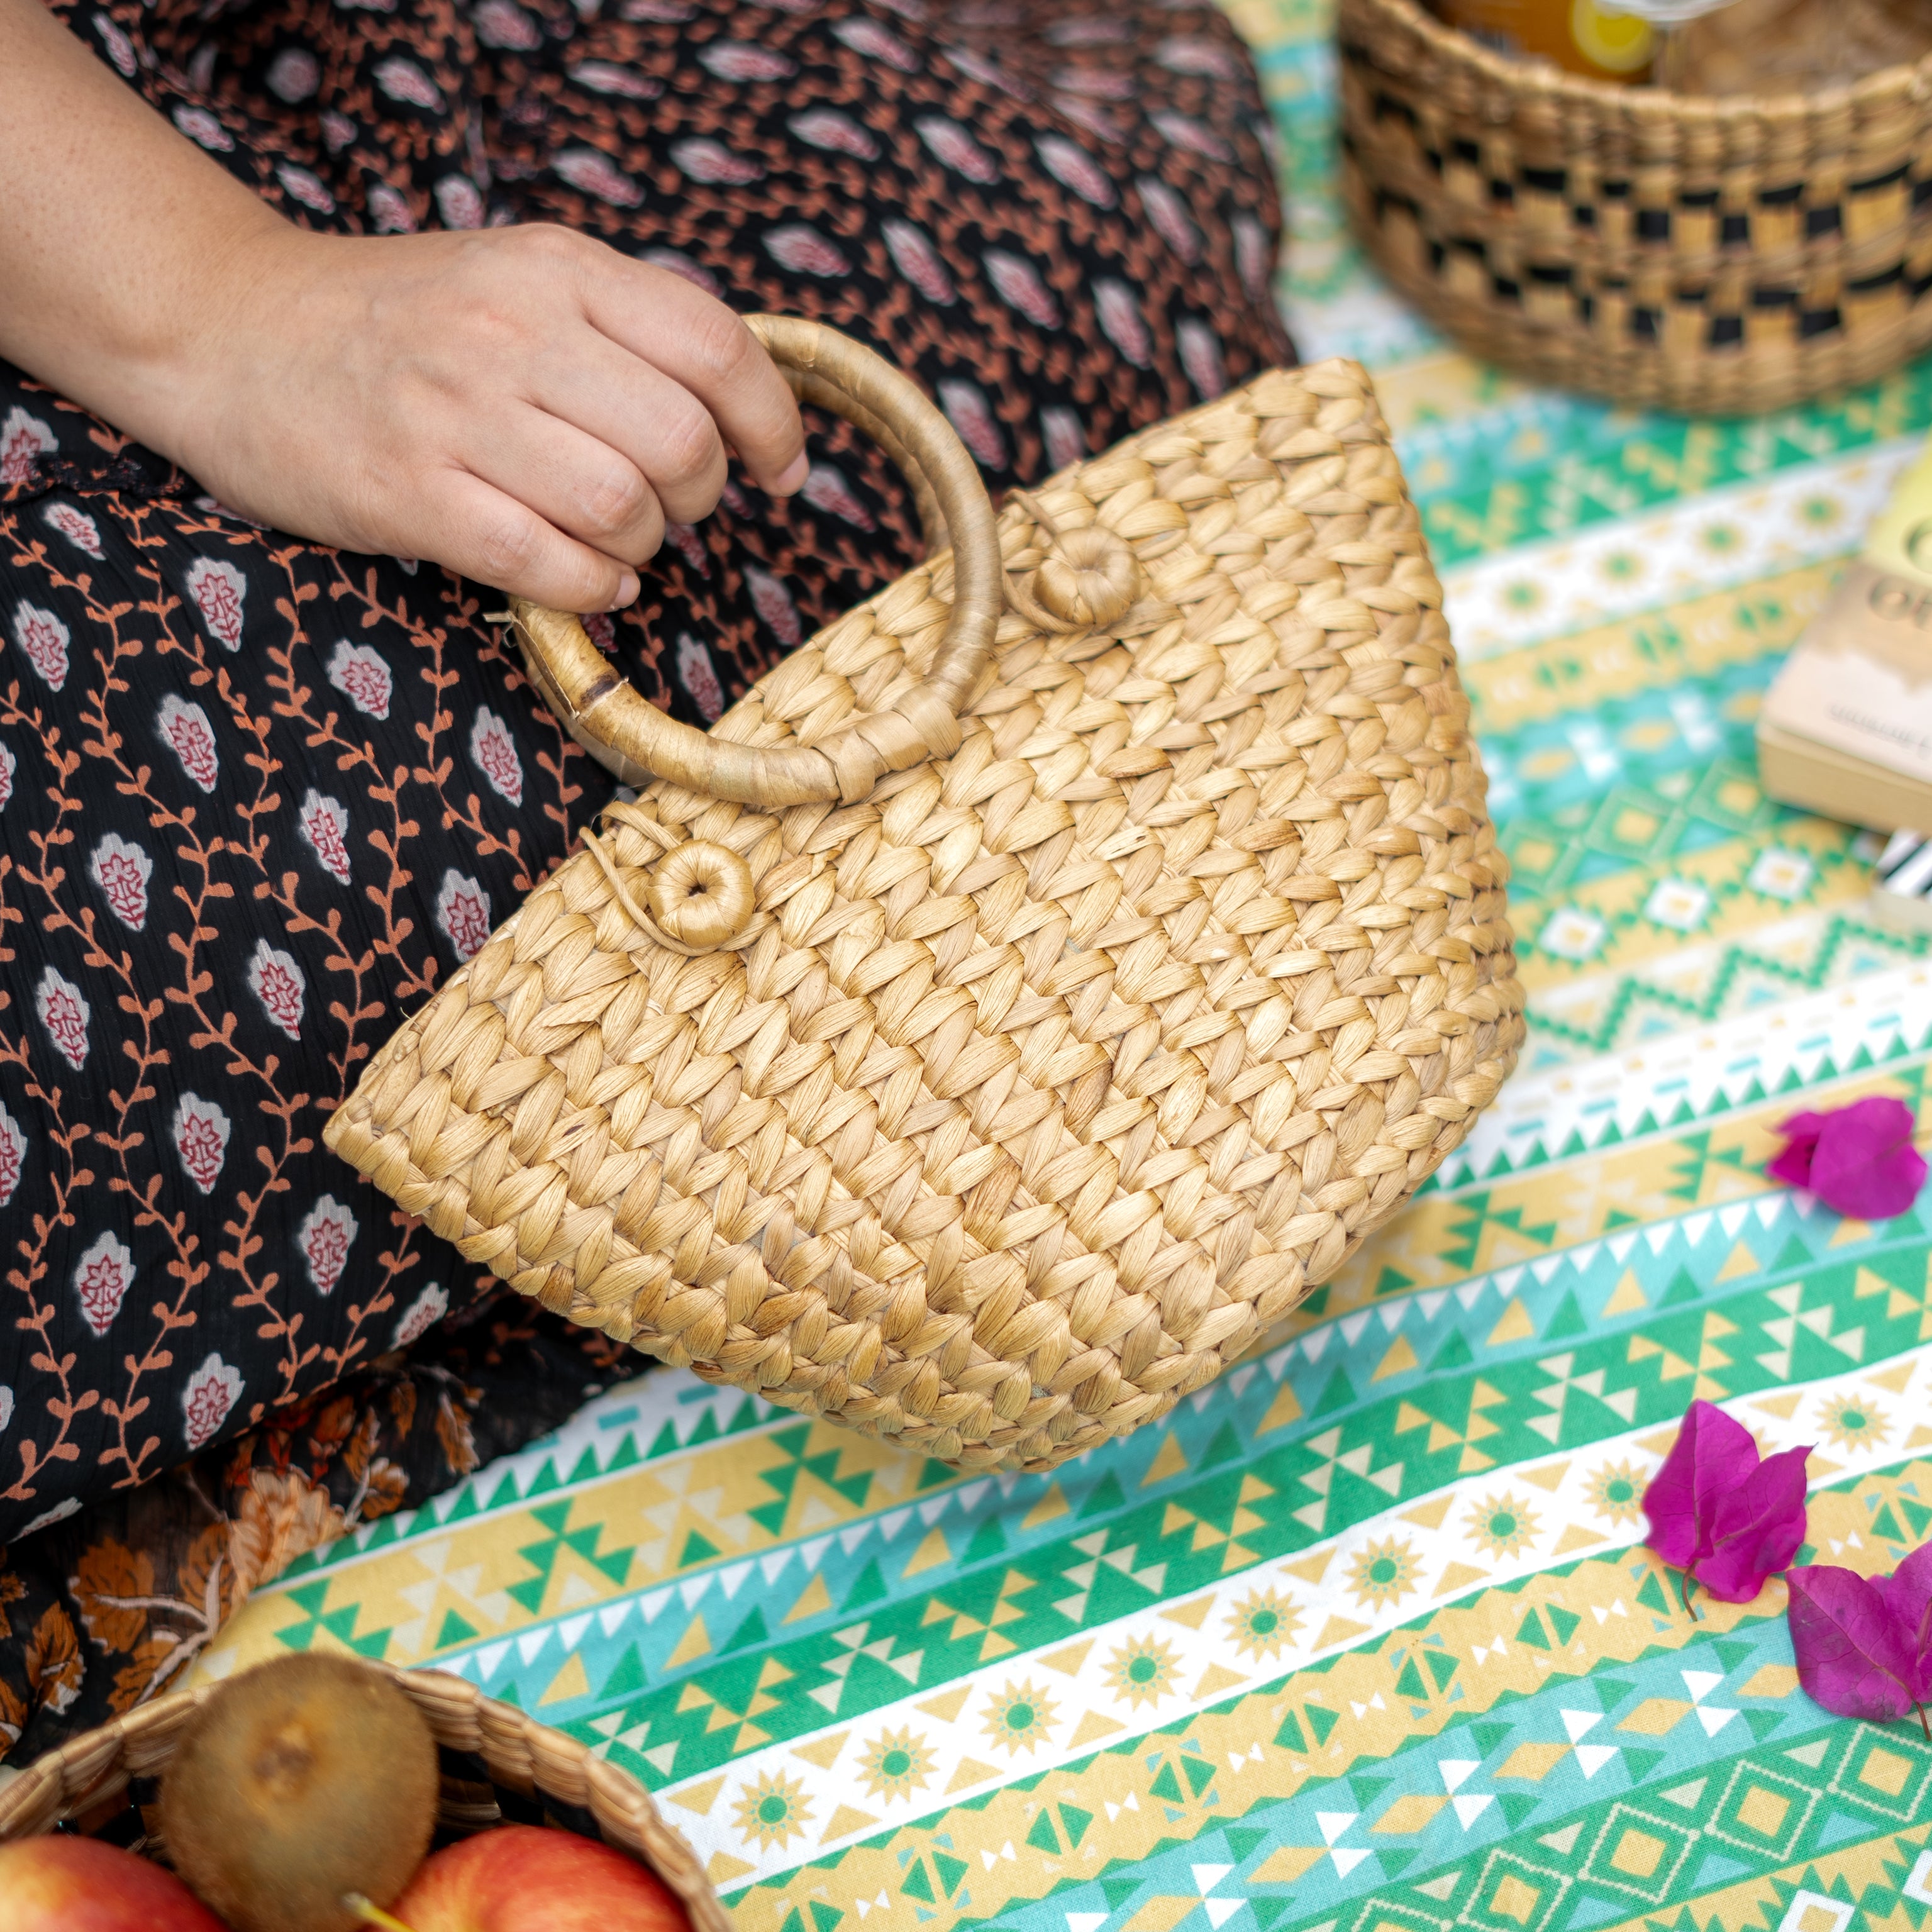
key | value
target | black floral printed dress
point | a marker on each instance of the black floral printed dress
(258, 798)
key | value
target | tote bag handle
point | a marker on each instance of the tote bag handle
(631, 737)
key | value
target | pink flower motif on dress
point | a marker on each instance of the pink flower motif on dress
(294, 74)
(338, 131)
(772, 602)
(24, 440)
(837, 133)
(79, 528)
(300, 185)
(1021, 288)
(7, 769)
(199, 125)
(188, 733)
(597, 174)
(43, 637)
(1087, 30)
(953, 147)
(463, 911)
(212, 1391)
(324, 1238)
(1169, 215)
(606, 77)
(422, 1315)
(390, 211)
(1185, 53)
(601, 630)
(1251, 255)
(460, 202)
(1200, 357)
(1098, 83)
(967, 409)
(1065, 440)
(121, 870)
(695, 673)
(12, 1155)
(673, 263)
(499, 24)
(201, 1139)
(804, 251)
(361, 676)
(218, 590)
(1120, 317)
(713, 164)
(826, 489)
(101, 1279)
(495, 752)
(65, 1013)
(670, 13)
(1072, 166)
(120, 48)
(402, 80)
(1090, 114)
(324, 824)
(690, 546)
(988, 73)
(277, 981)
(1185, 132)
(916, 259)
(877, 43)
(739, 61)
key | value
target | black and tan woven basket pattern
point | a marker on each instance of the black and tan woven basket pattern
(1717, 255)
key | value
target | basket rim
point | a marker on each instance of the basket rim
(1543, 80)
(63, 1782)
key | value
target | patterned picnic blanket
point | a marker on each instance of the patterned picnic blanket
(1360, 1639)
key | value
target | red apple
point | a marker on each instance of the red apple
(519, 1878)
(68, 1884)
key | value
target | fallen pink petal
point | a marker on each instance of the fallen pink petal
(1729, 1518)
(1852, 1656)
(1859, 1160)
(1908, 1596)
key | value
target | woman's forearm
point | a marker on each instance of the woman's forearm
(525, 405)
(120, 241)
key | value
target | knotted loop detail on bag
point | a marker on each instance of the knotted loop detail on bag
(699, 899)
(1086, 578)
(702, 894)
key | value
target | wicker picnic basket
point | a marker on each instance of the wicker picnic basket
(1712, 254)
(1035, 986)
(499, 1766)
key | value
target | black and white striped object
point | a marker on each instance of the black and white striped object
(1901, 894)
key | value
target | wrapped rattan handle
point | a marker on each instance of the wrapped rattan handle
(633, 738)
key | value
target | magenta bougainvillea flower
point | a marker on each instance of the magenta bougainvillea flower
(1724, 1516)
(1865, 1644)
(1858, 1160)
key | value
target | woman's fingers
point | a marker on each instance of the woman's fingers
(670, 437)
(662, 319)
(576, 482)
(485, 533)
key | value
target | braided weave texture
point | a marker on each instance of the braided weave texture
(1714, 254)
(1041, 1084)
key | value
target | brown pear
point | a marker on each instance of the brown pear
(297, 1784)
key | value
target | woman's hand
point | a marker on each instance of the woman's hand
(524, 405)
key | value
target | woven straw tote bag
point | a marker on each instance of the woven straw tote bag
(1036, 984)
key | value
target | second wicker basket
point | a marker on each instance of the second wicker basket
(1714, 255)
